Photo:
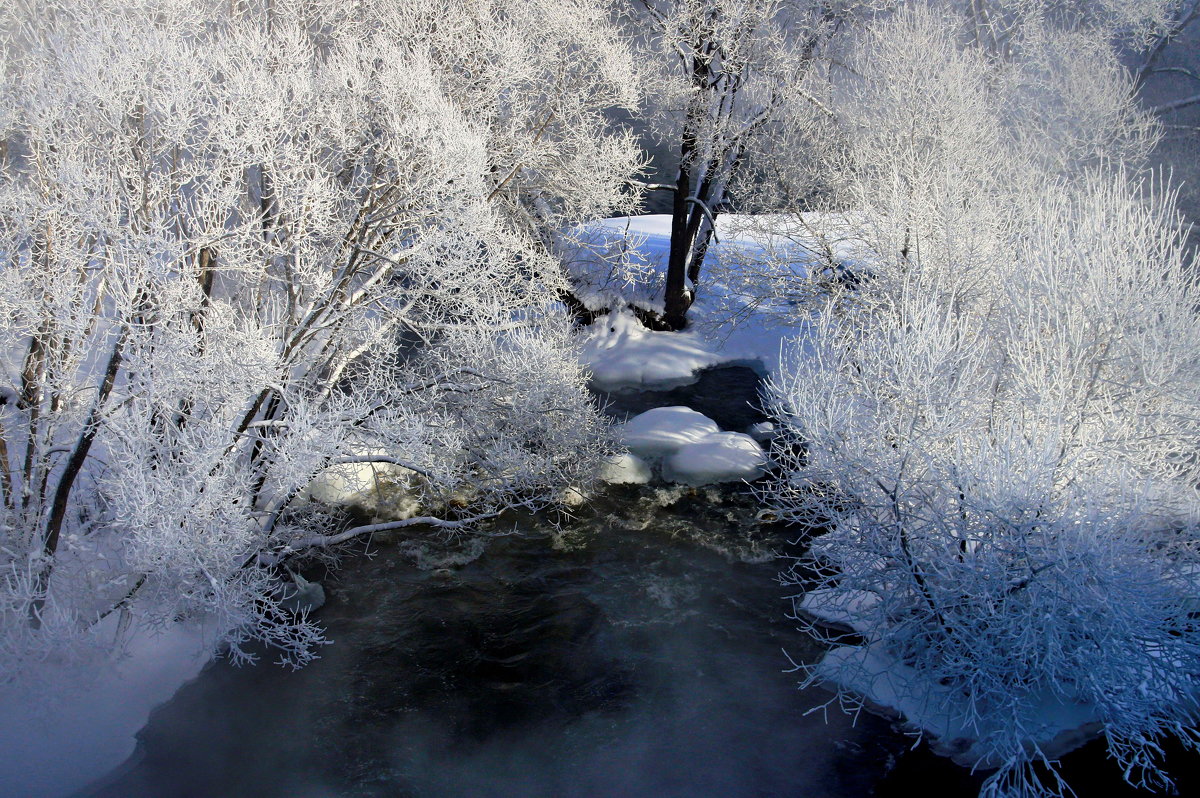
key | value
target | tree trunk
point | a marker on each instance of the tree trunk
(676, 299)
(62, 494)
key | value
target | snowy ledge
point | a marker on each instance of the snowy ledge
(889, 688)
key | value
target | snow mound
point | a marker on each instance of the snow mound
(659, 432)
(621, 353)
(626, 469)
(380, 489)
(350, 483)
(572, 496)
(693, 449)
(717, 457)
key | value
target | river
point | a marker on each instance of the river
(636, 649)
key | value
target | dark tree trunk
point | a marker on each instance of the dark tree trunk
(676, 298)
(62, 494)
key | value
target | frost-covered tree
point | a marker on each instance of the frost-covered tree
(729, 84)
(247, 244)
(997, 422)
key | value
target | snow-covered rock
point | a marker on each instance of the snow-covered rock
(572, 496)
(350, 483)
(626, 469)
(302, 596)
(716, 457)
(692, 448)
(661, 431)
(379, 489)
(763, 431)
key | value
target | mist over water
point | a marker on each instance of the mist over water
(630, 653)
(635, 650)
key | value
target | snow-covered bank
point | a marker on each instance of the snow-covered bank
(889, 687)
(741, 314)
(75, 722)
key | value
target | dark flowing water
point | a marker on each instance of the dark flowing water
(636, 650)
(728, 395)
(631, 654)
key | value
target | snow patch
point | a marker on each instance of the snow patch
(621, 353)
(737, 317)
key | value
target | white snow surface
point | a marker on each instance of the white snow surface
(763, 431)
(660, 432)
(57, 744)
(719, 457)
(727, 324)
(626, 469)
(692, 448)
(622, 353)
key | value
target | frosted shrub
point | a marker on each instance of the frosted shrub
(999, 425)
(243, 244)
(1016, 484)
